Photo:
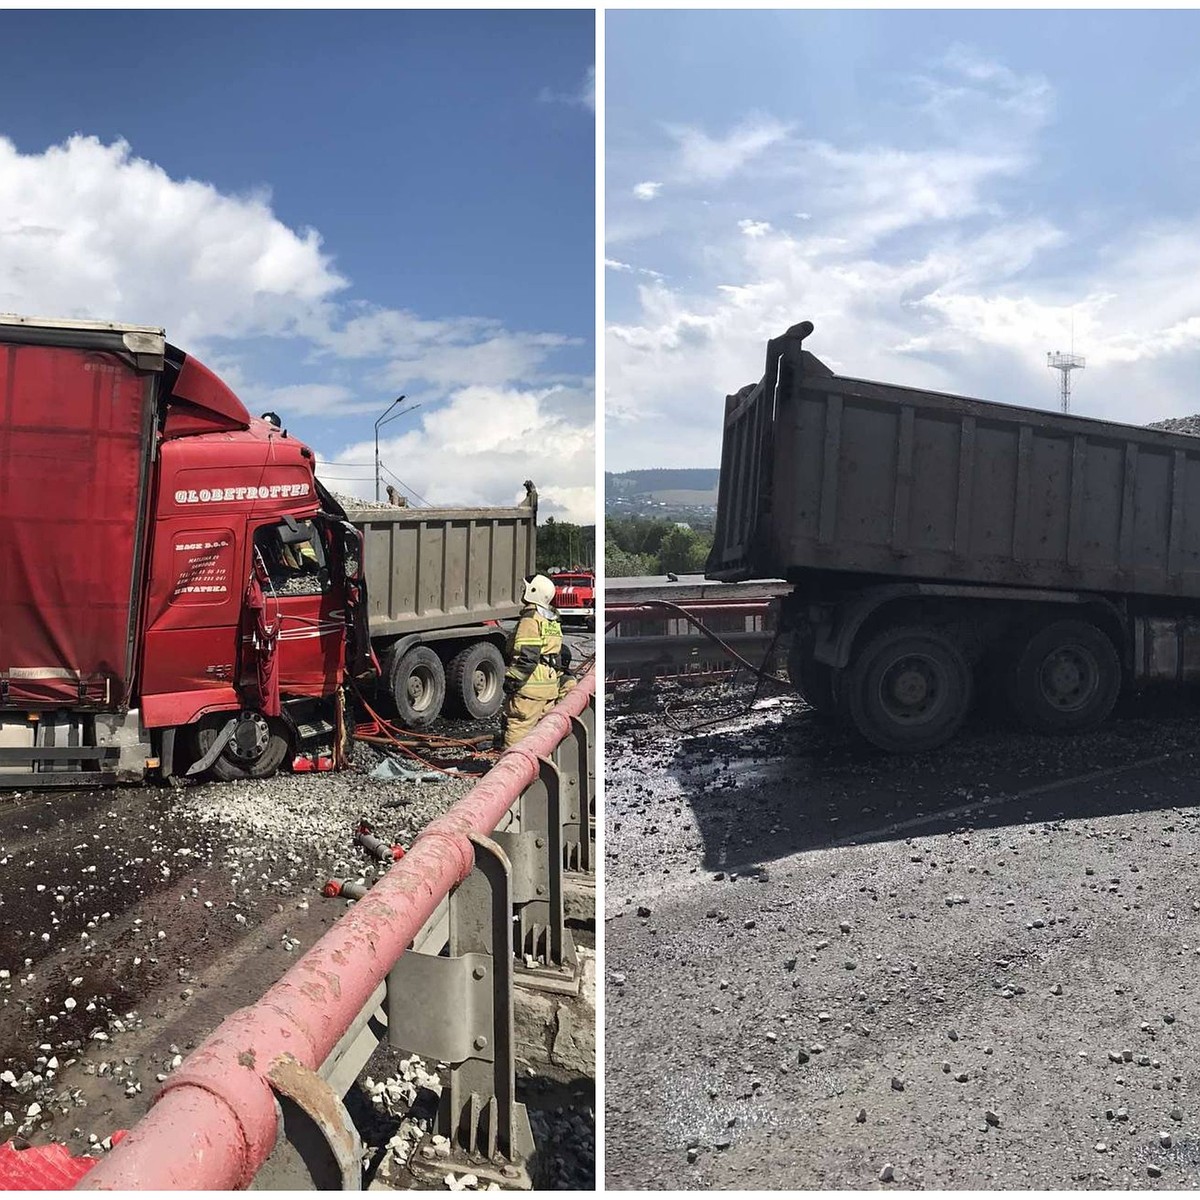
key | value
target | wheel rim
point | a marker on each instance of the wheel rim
(485, 683)
(250, 738)
(1069, 677)
(913, 689)
(420, 688)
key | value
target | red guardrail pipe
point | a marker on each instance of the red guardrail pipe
(213, 1123)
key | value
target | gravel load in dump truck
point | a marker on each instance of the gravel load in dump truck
(1190, 425)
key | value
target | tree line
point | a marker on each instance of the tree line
(562, 544)
(648, 546)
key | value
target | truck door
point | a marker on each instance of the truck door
(344, 551)
(306, 599)
(194, 608)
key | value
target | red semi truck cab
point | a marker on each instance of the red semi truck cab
(177, 592)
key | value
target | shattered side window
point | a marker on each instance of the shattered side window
(293, 558)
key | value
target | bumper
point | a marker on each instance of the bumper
(578, 614)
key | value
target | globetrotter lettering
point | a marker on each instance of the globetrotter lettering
(225, 495)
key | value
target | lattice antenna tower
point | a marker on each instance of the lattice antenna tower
(1056, 360)
(1066, 363)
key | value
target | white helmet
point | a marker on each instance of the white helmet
(539, 590)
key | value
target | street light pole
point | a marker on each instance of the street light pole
(381, 421)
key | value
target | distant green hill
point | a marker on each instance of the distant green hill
(661, 479)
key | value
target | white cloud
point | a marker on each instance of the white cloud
(615, 264)
(647, 190)
(1005, 93)
(307, 399)
(480, 447)
(701, 156)
(397, 331)
(494, 361)
(88, 229)
(584, 95)
(587, 90)
(91, 230)
(913, 261)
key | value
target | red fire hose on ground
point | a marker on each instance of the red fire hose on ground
(213, 1125)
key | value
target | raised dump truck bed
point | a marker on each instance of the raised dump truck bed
(821, 471)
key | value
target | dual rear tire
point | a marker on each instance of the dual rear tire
(471, 684)
(909, 689)
(1064, 678)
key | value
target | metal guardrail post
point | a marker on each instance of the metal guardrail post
(544, 949)
(584, 728)
(458, 1009)
(571, 758)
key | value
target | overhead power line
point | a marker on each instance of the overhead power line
(406, 486)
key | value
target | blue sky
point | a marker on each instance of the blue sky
(330, 209)
(945, 194)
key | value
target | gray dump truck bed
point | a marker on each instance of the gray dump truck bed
(820, 471)
(436, 568)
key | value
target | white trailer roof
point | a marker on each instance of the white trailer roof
(148, 343)
(77, 323)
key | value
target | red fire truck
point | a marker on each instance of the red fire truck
(178, 592)
(575, 595)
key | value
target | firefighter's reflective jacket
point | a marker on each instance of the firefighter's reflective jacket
(534, 656)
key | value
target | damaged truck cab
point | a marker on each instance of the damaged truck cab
(177, 592)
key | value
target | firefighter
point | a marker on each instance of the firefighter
(298, 557)
(537, 661)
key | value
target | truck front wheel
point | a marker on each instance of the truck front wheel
(475, 681)
(257, 748)
(418, 685)
(1064, 679)
(908, 690)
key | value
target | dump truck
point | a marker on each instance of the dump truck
(940, 547)
(179, 594)
(439, 581)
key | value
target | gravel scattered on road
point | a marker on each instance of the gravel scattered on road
(980, 937)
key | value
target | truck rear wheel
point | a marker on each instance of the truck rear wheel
(908, 690)
(475, 681)
(257, 748)
(418, 685)
(812, 680)
(1064, 679)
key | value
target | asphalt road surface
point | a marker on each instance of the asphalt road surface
(828, 968)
